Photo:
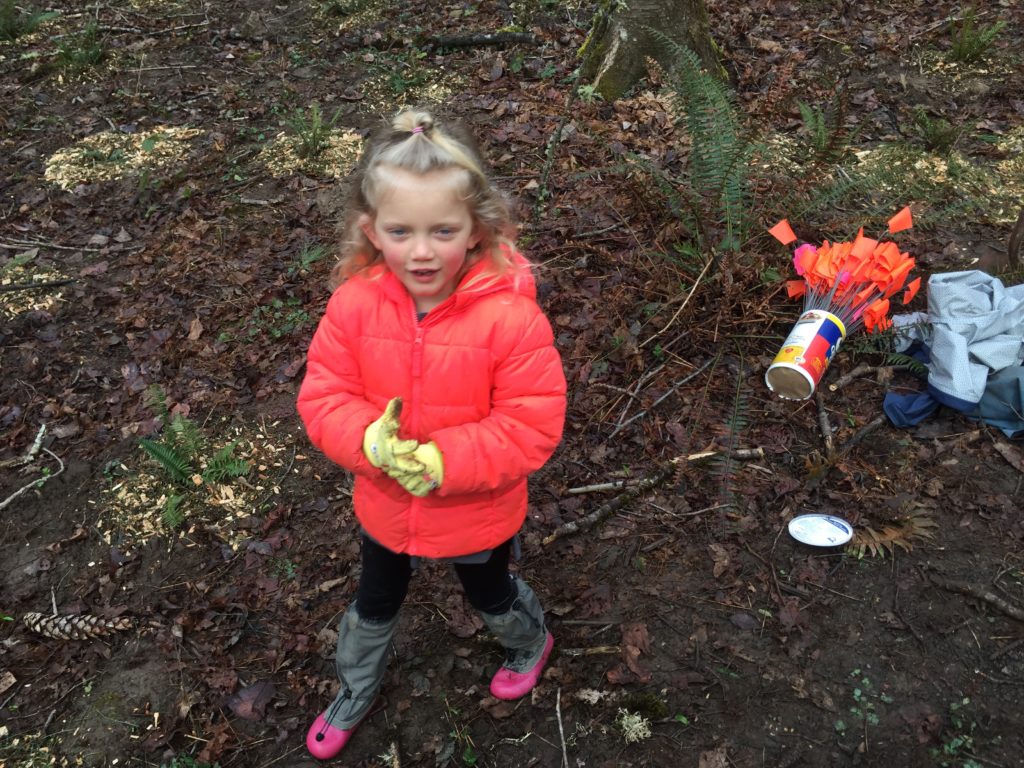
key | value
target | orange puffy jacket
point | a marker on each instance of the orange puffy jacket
(479, 376)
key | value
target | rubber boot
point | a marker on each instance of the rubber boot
(526, 641)
(360, 659)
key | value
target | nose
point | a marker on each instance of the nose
(421, 248)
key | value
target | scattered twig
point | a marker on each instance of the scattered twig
(561, 730)
(639, 487)
(863, 432)
(683, 305)
(981, 593)
(826, 426)
(37, 483)
(480, 40)
(605, 510)
(644, 377)
(30, 454)
(612, 486)
(596, 650)
(860, 370)
(670, 391)
(34, 286)
(17, 245)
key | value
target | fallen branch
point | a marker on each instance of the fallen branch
(863, 432)
(981, 593)
(860, 370)
(480, 40)
(30, 454)
(561, 730)
(671, 390)
(34, 286)
(826, 426)
(639, 487)
(37, 483)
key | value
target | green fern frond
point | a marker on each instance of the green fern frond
(224, 465)
(174, 463)
(156, 399)
(185, 435)
(912, 364)
(172, 515)
(721, 152)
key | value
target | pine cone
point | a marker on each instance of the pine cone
(74, 626)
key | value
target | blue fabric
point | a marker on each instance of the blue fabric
(909, 410)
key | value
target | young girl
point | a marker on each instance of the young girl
(434, 379)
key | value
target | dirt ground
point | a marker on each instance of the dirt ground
(191, 252)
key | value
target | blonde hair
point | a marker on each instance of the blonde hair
(415, 142)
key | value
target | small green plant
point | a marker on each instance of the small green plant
(308, 256)
(182, 454)
(588, 94)
(460, 735)
(82, 51)
(956, 750)
(16, 21)
(407, 71)
(311, 131)
(970, 41)
(278, 318)
(937, 134)
(284, 568)
(183, 761)
(827, 134)
(864, 702)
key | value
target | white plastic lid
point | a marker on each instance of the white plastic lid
(820, 530)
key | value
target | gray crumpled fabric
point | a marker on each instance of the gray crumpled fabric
(973, 333)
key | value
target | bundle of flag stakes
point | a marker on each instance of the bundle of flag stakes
(845, 286)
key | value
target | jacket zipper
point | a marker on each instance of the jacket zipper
(417, 395)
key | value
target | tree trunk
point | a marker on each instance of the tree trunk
(623, 36)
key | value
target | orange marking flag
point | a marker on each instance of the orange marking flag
(902, 220)
(783, 232)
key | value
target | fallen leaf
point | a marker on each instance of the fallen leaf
(497, 708)
(6, 680)
(195, 330)
(714, 758)
(250, 703)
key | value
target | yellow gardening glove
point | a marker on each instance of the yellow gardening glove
(382, 447)
(425, 480)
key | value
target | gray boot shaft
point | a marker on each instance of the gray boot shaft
(360, 659)
(521, 629)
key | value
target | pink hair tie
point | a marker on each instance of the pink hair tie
(418, 129)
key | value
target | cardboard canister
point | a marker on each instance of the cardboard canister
(798, 367)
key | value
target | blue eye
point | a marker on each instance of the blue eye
(396, 232)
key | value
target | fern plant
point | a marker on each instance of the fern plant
(971, 42)
(712, 196)
(182, 452)
(15, 21)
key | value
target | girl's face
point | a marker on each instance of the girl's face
(424, 231)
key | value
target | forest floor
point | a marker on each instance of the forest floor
(150, 181)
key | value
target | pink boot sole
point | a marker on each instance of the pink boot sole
(509, 685)
(325, 741)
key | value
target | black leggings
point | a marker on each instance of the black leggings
(384, 581)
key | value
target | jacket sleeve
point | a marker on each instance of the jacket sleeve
(524, 425)
(331, 400)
